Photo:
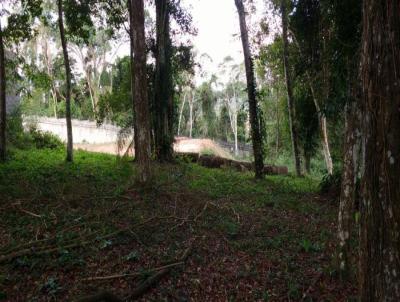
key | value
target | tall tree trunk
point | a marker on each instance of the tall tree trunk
(289, 88)
(251, 91)
(380, 188)
(163, 101)
(349, 184)
(3, 113)
(68, 83)
(143, 147)
(135, 128)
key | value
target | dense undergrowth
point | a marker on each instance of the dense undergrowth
(63, 224)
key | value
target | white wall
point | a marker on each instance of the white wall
(82, 131)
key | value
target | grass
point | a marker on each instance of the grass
(254, 240)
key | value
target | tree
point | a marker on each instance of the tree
(310, 29)
(380, 182)
(347, 19)
(132, 47)
(289, 88)
(163, 96)
(3, 113)
(140, 95)
(68, 82)
(251, 92)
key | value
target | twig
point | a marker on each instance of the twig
(136, 274)
(202, 211)
(29, 213)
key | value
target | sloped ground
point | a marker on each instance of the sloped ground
(182, 144)
(62, 225)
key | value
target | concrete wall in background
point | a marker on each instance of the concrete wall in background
(83, 131)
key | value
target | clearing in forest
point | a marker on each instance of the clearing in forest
(72, 229)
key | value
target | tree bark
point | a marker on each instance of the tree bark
(349, 185)
(68, 83)
(380, 182)
(251, 91)
(163, 101)
(289, 89)
(3, 113)
(135, 128)
(143, 147)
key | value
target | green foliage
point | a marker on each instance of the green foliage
(44, 140)
(15, 134)
(331, 183)
(116, 105)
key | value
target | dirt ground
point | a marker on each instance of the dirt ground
(182, 144)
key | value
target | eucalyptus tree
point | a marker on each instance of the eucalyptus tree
(92, 56)
(232, 95)
(252, 95)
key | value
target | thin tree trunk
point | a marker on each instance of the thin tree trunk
(181, 113)
(325, 143)
(251, 91)
(236, 135)
(278, 134)
(163, 84)
(135, 127)
(321, 117)
(3, 113)
(54, 98)
(143, 147)
(68, 83)
(289, 88)
(191, 116)
(380, 183)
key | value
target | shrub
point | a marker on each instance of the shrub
(44, 140)
(16, 136)
(331, 183)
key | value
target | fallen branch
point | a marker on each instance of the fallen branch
(30, 213)
(152, 280)
(142, 288)
(136, 274)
